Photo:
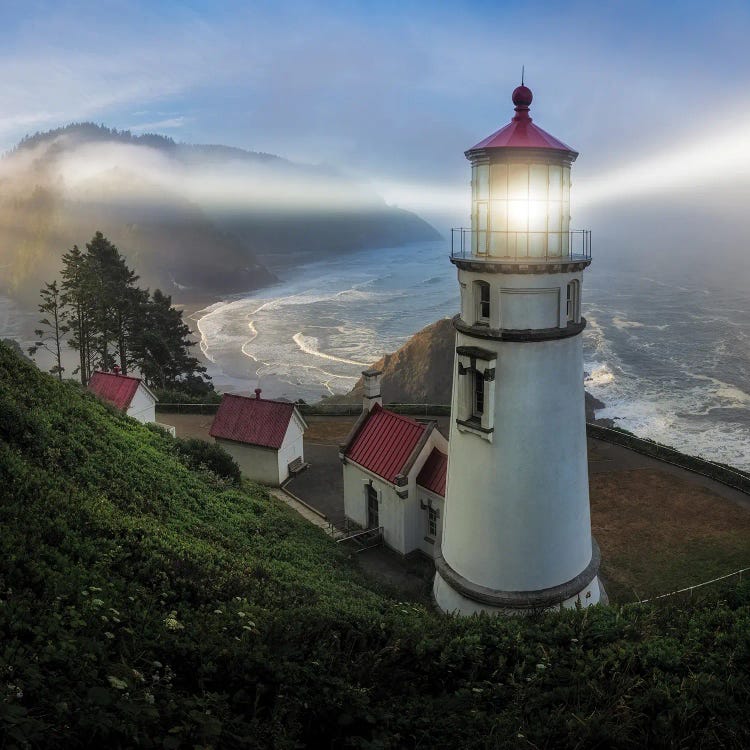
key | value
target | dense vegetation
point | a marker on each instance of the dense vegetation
(143, 603)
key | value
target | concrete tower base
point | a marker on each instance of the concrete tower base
(454, 594)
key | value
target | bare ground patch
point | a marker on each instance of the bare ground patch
(658, 532)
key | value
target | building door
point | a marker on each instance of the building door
(372, 507)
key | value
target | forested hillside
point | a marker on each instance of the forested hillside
(194, 219)
(147, 604)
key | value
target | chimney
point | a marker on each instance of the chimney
(372, 393)
(116, 369)
(258, 391)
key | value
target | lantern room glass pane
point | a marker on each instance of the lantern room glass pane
(538, 179)
(555, 182)
(499, 181)
(537, 244)
(499, 216)
(481, 227)
(537, 216)
(565, 217)
(555, 216)
(518, 216)
(499, 244)
(566, 183)
(518, 181)
(483, 182)
(554, 244)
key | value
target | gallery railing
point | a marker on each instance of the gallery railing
(530, 247)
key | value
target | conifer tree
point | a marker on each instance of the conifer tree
(163, 347)
(114, 300)
(55, 322)
(76, 299)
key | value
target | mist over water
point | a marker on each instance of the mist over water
(668, 353)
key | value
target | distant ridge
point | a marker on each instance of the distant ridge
(195, 220)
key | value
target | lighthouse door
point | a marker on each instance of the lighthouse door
(372, 507)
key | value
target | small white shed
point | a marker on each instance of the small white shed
(263, 436)
(125, 392)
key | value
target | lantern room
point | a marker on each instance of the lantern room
(520, 195)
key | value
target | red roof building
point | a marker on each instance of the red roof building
(121, 390)
(394, 471)
(385, 442)
(265, 437)
(434, 472)
(254, 421)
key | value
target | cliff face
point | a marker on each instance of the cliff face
(421, 371)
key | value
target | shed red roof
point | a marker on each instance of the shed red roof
(433, 474)
(255, 421)
(385, 442)
(521, 132)
(117, 389)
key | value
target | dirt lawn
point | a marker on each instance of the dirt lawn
(659, 532)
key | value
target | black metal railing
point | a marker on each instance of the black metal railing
(527, 247)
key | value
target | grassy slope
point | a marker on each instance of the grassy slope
(142, 603)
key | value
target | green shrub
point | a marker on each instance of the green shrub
(199, 454)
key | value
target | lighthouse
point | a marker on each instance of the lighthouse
(517, 528)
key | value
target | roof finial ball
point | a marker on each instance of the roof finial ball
(522, 98)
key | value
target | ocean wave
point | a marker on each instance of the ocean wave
(622, 324)
(309, 345)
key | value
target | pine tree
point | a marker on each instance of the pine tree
(76, 299)
(55, 322)
(163, 348)
(114, 301)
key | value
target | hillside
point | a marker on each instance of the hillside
(421, 371)
(146, 604)
(194, 220)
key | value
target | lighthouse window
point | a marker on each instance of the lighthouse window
(478, 400)
(483, 301)
(572, 301)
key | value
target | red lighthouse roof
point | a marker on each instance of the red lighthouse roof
(521, 132)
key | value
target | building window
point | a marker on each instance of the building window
(478, 396)
(372, 507)
(572, 301)
(482, 289)
(432, 519)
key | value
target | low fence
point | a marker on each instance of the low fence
(322, 410)
(727, 475)
(690, 589)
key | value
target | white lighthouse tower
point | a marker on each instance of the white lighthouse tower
(517, 528)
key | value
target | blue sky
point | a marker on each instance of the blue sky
(392, 91)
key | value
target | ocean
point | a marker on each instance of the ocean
(666, 350)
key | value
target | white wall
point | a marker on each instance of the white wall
(143, 406)
(291, 448)
(404, 522)
(256, 463)
(521, 519)
(514, 303)
(390, 506)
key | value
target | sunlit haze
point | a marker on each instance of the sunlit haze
(392, 94)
